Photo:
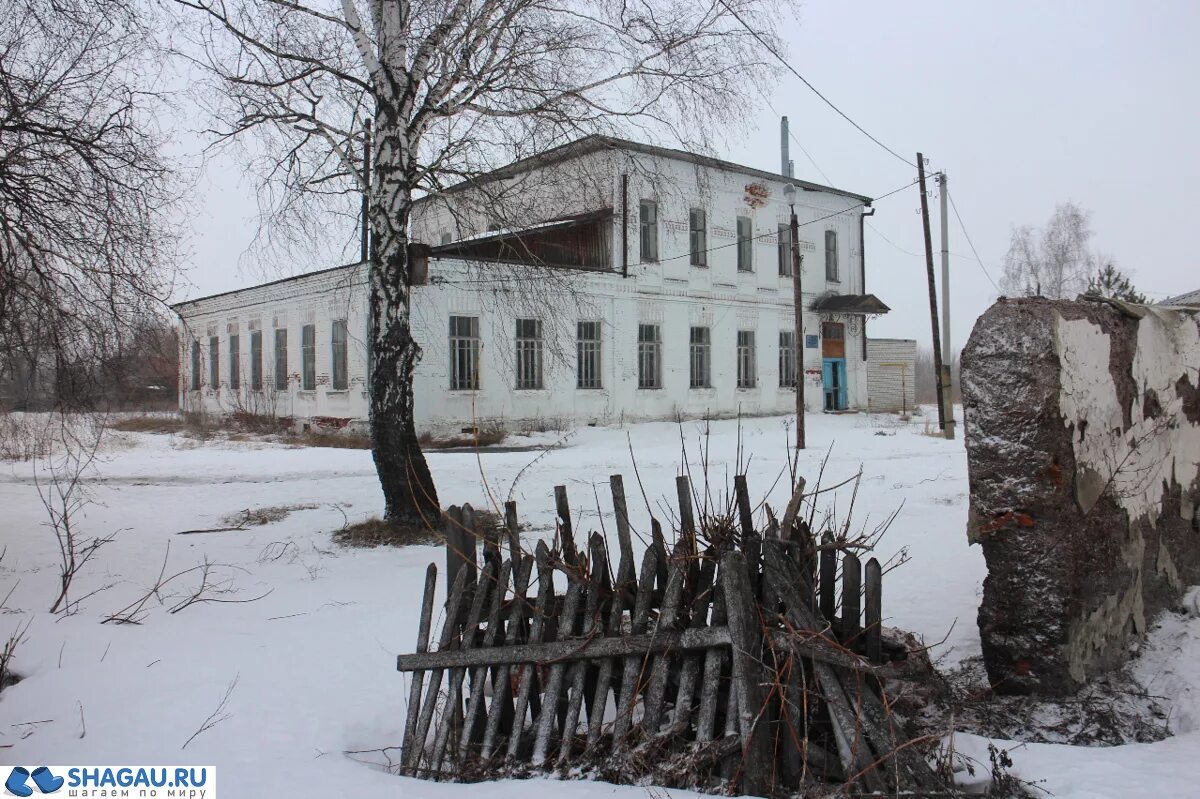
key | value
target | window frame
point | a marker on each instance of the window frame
(698, 237)
(196, 370)
(529, 364)
(339, 356)
(745, 244)
(787, 359)
(785, 250)
(832, 274)
(649, 354)
(256, 370)
(648, 230)
(235, 362)
(747, 360)
(281, 359)
(464, 352)
(214, 361)
(308, 357)
(700, 357)
(833, 331)
(589, 355)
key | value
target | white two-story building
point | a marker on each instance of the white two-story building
(605, 280)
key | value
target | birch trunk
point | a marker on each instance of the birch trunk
(409, 493)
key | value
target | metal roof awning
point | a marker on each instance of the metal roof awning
(580, 241)
(865, 304)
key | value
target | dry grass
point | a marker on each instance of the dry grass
(150, 424)
(256, 517)
(376, 532)
(240, 426)
(335, 440)
(488, 436)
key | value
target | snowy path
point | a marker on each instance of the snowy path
(314, 658)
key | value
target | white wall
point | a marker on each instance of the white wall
(669, 292)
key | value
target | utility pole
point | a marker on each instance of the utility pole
(947, 353)
(933, 314)
(789, 193)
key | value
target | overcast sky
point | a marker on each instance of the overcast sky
(1023, 104)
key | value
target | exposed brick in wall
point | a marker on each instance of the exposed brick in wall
(1083, 444)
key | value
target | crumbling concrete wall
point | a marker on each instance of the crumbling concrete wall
(1083, 452)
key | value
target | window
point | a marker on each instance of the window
(256, 360)
(831, 261)
(529, 353)
(834, 331)
(445, 238)
(745, 245)
(785, 249)
(746, 377)
(649, 356)
(341, 380)
(648, 214)
(214, 361)
(787, 359)
(281, 366)
(235, 362)
(698, 237)
(464, 353)
(195, 365)
(701, 358)
(308, 358)
(588, 351)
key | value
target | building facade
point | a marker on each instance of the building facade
(600, 282)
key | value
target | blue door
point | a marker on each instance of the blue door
(833, 372)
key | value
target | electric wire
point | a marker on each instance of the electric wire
(967, 236)
(806, 82)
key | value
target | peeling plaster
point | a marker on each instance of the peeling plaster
(1136, 465)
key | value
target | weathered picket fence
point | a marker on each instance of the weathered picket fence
(723, 664)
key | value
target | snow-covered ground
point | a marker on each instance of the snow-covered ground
(312, 662)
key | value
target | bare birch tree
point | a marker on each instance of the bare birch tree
(86, 245)
(454, 88)
(1054, 262)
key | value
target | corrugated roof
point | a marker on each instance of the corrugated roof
(851, 303)
(590, 144)
(1191, 298)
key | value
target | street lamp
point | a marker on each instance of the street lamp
(789, 196)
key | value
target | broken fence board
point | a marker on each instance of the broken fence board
(418, 679)
(417, 745)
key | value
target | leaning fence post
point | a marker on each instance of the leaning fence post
(567, 538)
(745, 634)
(625, 571)
(455, 556)
(514, 535)
(851, 606)
(687, 521)
(827, 587)
(874, 610)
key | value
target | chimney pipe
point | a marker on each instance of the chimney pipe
(785, 162)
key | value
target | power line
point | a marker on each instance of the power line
(814, 89)
(967, 236)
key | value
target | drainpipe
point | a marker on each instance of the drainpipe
(624, 225)
(862, 267)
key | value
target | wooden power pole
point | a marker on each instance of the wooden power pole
(933, 311)
(789, 192)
